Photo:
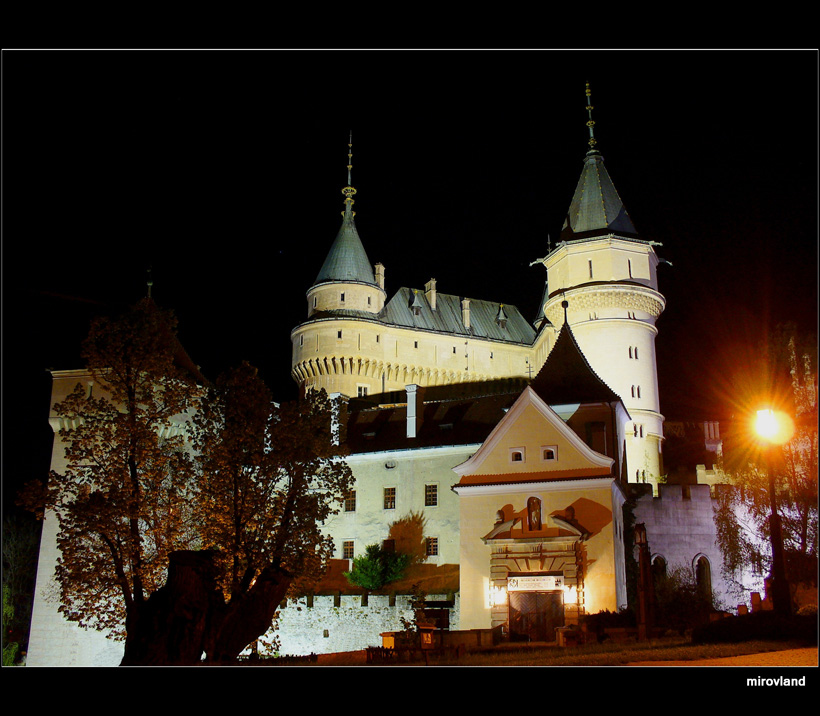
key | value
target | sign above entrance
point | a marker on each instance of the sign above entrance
(538, 583)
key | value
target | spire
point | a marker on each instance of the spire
(347, 260)
(596, 207)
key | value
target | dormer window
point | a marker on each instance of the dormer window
(518, 454)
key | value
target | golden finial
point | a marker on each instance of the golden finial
(349, 191)
(590, 122)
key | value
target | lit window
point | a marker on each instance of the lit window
(430, 495)
(389, 498)
(432, 546)
(350, 501)
(347, 549)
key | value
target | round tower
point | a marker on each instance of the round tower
(343, 301)
(608, 277)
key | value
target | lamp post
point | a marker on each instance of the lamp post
(769, 428)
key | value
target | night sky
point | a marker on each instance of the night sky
(223, 172)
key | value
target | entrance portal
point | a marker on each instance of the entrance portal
(534, 616)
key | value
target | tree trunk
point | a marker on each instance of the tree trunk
(247, 617)
(169, 628)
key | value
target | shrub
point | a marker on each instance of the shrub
(377, 567)
(759, 626)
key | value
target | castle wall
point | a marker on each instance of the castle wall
(680, 527)
(339, 624)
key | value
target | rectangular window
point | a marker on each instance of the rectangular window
(338, 334)
(590, 268)
(342, 298)
(347, 549)
(361, 390)
(350, 501)
(389, 498)
(430, 495)
(432, 546)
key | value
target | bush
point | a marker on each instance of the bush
(377, 567)
(759, 626)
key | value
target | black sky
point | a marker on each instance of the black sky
(223, 171)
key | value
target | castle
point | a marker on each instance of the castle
(512, 442)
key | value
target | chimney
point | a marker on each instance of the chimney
(465, 312)
(379, 271)
(430, 292)
(415, 405)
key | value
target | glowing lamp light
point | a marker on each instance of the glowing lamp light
(497, 596)
(773, 426)
(570, 595)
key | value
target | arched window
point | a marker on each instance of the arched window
(658, 569)
(703, 576)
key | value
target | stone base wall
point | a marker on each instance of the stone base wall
(339, 624)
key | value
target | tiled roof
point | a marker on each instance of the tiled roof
(346, 260)
(596, 207)
(567, 376)
(447, 318)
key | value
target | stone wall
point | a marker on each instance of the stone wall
(341, 623)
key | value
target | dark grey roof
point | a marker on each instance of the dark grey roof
(447, 318)
(596, 207)
(346, 260)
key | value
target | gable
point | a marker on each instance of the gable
(532, 442)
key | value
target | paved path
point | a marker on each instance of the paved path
(788, 657)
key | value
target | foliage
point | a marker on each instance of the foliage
(742, 513)
(680, 602)
(757, 626)
(9, 648)
(121, 502)
(418, 599)
(214, 486)
(377, 566)
(20, 545)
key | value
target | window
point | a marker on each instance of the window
(415, 344)
(314, 301)
(590, 268)
(633, 391)
(430, 495)
(350, 501)
(431, 544)
(368, 300)
(361, 390)
(389, 498)
(301, 340)
(347, 549)
(454, 349)
(549, 453)
(638, 391)
(342, 298)
(338, 334)
(517, 455)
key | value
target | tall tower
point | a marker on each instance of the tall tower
(346, 292)
(608, 276)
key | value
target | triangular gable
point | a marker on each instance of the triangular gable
(531, 426)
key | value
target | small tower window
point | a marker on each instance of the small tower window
(629, 262)
(342, 297)
(415, 344)
(633, 391)
(630, 352)
(314, 301)
(368, 300)
(590, 268)
(338, 334)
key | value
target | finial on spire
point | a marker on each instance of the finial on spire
(590, 122)
(349, 191)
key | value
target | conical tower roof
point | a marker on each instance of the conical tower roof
(596, 207)
(567, 376)
(347, 260)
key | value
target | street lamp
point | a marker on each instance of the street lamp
(774, 429)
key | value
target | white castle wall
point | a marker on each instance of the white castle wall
(332, 626)
(680, 527)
